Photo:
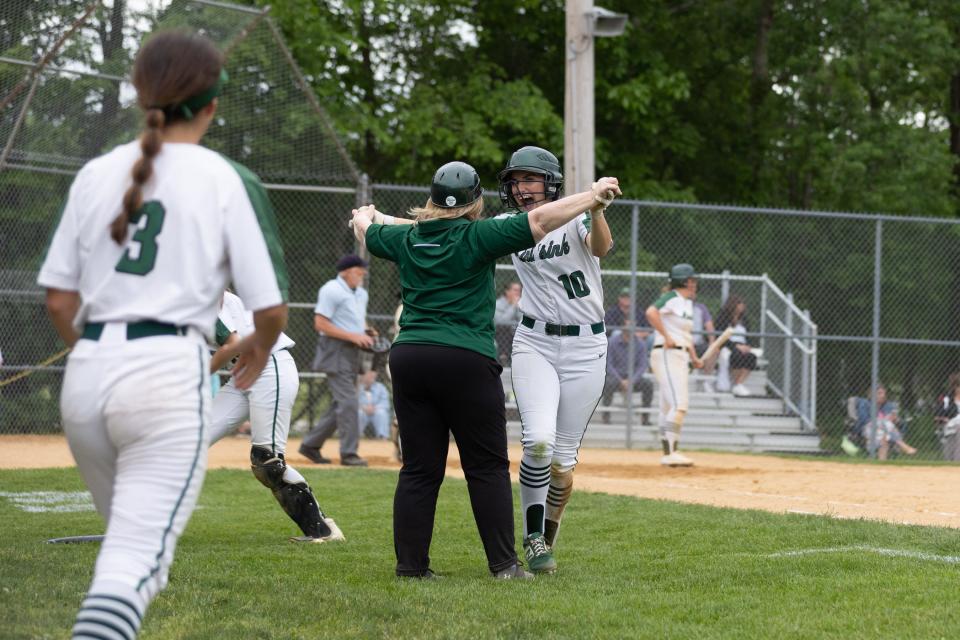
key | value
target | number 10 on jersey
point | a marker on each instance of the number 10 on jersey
(574, 284)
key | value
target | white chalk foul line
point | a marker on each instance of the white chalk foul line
(50, 501)
(893, 553)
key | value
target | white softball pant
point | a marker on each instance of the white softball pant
(557, 382)
(268, 404)
(672, 369)
(136, 415)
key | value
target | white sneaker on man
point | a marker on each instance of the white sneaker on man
(708, 387)
(740, 390)
(676, 459)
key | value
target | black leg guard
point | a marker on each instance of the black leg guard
(296, 500)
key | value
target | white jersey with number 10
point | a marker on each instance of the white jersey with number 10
(561, 277)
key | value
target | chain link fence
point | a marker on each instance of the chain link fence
(836, 304)
(65, 98)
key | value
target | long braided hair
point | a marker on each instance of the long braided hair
(170, 68)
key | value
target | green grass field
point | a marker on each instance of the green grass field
(629, 568)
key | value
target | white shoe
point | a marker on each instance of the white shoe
(335, 535)
(676, 459)
(708, 387)
(740, 390)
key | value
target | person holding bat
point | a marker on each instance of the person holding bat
(673, 352)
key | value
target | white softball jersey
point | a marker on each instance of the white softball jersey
(557, 379)
(198, 210)
(237, 318)
(561, 277)
(136, 408)
(676, 312)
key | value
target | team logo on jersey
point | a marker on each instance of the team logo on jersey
(552, 250)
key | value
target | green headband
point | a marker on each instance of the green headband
(191, 105)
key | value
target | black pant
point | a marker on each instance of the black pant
(438, 390)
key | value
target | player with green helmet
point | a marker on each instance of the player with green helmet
(673, 351)
(455, 184)
(530, 160)
(559, 349)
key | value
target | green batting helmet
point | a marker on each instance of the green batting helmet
(680, 273)
(455, 184)
(534, 160)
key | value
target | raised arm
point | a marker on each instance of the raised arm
(554, 215)
(599, 240)
(367, 215)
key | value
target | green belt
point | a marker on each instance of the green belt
(561, 329)
(135, 330)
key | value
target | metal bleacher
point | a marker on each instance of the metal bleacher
(717, 421)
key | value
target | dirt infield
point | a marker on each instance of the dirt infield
(903, 494)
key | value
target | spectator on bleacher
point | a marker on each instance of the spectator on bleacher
(618, 315)
(887, 430)
(742, 361)
(506, 317)
(703, 337)
(947, 416)
(374, 403)
(618, 370)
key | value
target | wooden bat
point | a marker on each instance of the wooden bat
(714, 348)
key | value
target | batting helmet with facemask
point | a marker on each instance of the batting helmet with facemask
(532, 160)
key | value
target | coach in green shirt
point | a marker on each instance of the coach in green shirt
(443, 363)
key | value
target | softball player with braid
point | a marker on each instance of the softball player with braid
(268, 404)
(133, 275)
(673, 352)
(559, 350)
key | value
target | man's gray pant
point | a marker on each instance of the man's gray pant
(342, 414)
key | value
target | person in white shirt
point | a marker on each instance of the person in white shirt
(268, 404)
(560, 346)
(149, 237)
(673, 352)
(742, 360)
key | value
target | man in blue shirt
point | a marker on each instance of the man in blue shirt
(618, 370)
(340, 320)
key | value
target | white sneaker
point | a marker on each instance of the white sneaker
(676, 459)
(335, 535)
(708, 387)
(740, 390)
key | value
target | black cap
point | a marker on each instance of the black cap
(350, 260)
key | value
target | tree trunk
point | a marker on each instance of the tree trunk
(760, 89)
(954, 116)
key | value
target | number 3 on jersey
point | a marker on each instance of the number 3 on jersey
(574, 284)
(146, 236)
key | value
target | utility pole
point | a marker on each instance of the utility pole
(584, 23)
(578, 133)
